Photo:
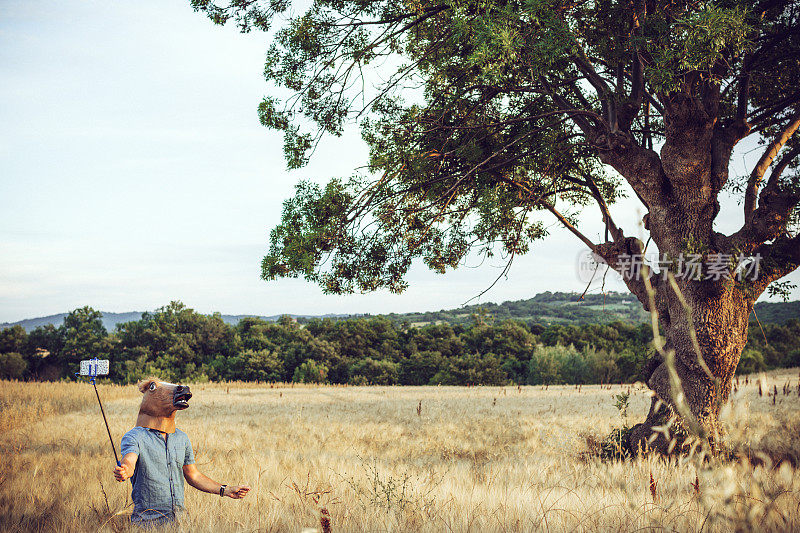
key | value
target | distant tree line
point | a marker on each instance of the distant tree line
(546, 307)
(179, 344)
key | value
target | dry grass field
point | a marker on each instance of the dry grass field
(401, 459)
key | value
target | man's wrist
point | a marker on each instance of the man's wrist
(222, 490)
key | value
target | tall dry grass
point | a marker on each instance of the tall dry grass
(401, 459)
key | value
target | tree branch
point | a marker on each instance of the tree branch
(769, 220)
(566, 223)
(631, 248)
(641, 167)
(759, 117)
(777, 260)
(763, 164)
(398, 18)
(744, 94)
(567, 108)
(616, 233)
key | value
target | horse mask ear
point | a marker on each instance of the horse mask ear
(147, 384)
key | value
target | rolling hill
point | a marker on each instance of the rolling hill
(544, 308)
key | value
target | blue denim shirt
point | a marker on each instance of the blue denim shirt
(158, 477)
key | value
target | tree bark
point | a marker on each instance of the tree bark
(719, 312)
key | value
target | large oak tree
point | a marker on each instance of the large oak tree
(481, 113)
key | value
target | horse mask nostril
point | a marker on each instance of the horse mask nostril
(182, 392)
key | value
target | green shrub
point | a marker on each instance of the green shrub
(751, 361)
(375, 372)
(262, 365)
(310, 372)
(616, 445)
(12, 366)
(420, 367)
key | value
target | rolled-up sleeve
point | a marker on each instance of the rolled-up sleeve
(189, 458)
(129, 444)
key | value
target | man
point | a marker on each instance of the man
(157, 457)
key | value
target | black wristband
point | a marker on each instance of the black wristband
(222, 490)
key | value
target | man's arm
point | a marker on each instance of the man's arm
(204, 483)
(127, 466)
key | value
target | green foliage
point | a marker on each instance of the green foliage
(261, 365)
(793, 358)
(310, 372)
(545, 308)
(420, 367)
(616, 446)
(545, 364)
(556, 364)
(12, 366)
(84, 335)
(311, 226)
(45, 344)
(770, 346)
(471, 370)
(695, 42)
(782, 289)
(751, 361)
(375, 372)
(444, 191)
(177, 341)
(178, 344)
(490, 112)
(13, 339)
(775, 312)
(621, 402)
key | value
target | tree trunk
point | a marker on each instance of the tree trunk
(720, 311)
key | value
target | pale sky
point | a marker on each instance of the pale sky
(133, 172)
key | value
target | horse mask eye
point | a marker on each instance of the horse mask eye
(153, 386)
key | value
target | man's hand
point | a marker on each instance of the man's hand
(127, 467)
(123, 472)
(206, 484)
(236, 492)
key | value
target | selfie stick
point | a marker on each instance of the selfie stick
(91, 369)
